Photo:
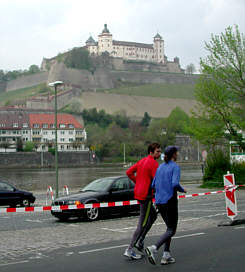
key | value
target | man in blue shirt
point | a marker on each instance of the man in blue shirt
(166, 184)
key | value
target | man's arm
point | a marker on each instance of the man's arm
(131, 172)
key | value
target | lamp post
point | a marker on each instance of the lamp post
(55, 84)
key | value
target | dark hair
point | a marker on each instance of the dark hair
(169, 152)
(152, 147)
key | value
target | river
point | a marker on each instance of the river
(74, 178)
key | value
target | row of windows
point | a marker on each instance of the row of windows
(52, 126)
(15, 125)
(52, 132)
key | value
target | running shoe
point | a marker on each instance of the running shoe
(130, 253)
(150, 251)
(167, 258)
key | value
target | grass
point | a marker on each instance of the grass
(184, 91)
(22, 94)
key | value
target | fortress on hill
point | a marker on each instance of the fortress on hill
(131, 51)
(127, 50)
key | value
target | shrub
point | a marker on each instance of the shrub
(217, 164)
(239, 170)
(29, 146)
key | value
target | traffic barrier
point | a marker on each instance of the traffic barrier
(94, 205)
(49, 192)
(65, 190)
(230, 195)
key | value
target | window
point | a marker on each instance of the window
(36, 125)
(35, 132)
(62, 139)
(120, 184)
(70, 140)
(62, 125)
(15, 125)
(62, 132)
(70, 132)
(62, 147)
(70, 126)
(25, 125)
(5, 187)
(45, 133)
(45, 125)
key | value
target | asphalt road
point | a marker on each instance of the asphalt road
(39, 242)
(215, 249)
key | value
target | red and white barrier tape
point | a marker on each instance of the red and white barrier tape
(94, 205)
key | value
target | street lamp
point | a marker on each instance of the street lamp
(55, 84)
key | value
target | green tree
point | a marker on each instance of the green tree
(145, 120)
(33, 69)
(177, 121)
(29, 146)
(78, 58)
(220, 91)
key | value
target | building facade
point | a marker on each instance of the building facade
(127, 50)
(39, 128)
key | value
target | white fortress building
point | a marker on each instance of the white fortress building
(127, 50)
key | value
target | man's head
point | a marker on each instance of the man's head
(154, 150)
(170, 153)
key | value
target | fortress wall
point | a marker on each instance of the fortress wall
(155, 77)
(27, 81)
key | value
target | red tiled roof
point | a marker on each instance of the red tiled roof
(45, 118)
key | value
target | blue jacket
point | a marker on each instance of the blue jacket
(166, 182)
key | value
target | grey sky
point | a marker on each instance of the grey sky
(33, 29)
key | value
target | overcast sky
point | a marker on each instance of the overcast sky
(33, 29)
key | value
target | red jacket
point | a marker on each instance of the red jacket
(145, 170)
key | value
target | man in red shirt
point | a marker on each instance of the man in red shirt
(142, 174)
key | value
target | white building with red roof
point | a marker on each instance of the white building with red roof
(71, 135)
(39, 128)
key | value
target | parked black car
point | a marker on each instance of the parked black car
(109, 189)
(11, 196)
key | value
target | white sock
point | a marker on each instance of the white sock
(166, 254)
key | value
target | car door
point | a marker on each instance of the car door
(8, 195)
(121, 190)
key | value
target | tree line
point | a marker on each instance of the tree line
(11, 75)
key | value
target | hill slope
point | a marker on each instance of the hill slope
(135, 106)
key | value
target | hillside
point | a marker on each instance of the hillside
(135, 106)
(156, 99)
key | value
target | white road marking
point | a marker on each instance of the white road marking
(101, 249)
(34, 221)
(189, 235)
(240, 227)
(14, 263)
(120, 246)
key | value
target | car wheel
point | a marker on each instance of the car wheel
(26, 203)
(92, 214)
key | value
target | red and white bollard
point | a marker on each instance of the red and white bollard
(65, 190)
(49, 192)
(230, 195)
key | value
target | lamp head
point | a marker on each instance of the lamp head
(55, 83)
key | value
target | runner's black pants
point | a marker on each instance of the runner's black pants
(148, 216)
(169, 213)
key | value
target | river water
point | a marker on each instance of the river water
(74, 178)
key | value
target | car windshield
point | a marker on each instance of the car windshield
(99, 185)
